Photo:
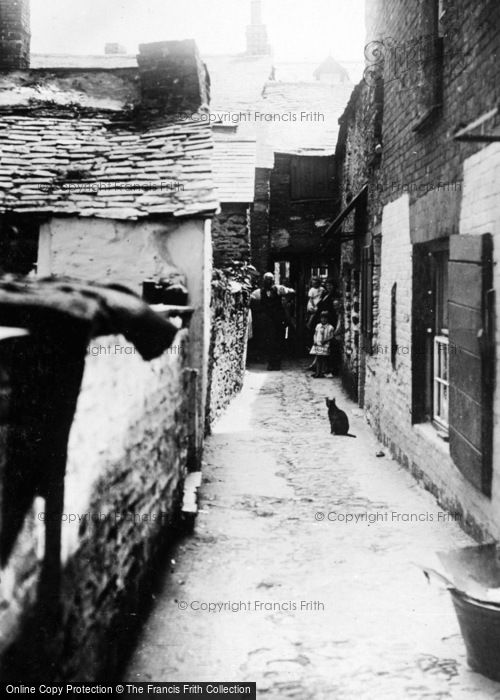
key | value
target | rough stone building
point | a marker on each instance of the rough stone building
(301, 129)
(15, 35)
(350, 239)
(291, 112)
(234, 162)
(100, 179)
(96, 173)
(419, 233)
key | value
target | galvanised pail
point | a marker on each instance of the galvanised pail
(480, 626)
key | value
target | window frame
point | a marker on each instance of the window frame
(441, 383)
(426, 327)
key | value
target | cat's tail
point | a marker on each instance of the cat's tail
(350, 435)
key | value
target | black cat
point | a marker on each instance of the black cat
(339, 422)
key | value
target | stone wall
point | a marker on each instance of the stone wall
(260, 250)
(127, 459)
(417, 153)
(174, 80)
(231, 234)
(229, 310)
(14, 34)
(127, 252)
(428, 187)
(296, 226)
(357, 163)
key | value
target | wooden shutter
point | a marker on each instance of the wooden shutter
(472, 357)
(311, 177)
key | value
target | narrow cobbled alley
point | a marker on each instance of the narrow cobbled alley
(315, 607)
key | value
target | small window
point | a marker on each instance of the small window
(441, 383)
(429, 64)
(430, 352)
(320, 271)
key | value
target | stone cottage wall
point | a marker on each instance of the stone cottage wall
(259, 242)
(296, 226)
(127, 459)
(429, 187)
(228, 345)
(231, 235)
(357, 165)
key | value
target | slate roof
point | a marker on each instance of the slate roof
(55, 60)
(330, 65)
(303, 71)
(234, 162)
(237, 84)
(314, 108)
(90, 166)
(99, 89)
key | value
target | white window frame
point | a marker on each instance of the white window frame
(441, 383)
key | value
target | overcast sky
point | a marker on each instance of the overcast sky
(298, 29)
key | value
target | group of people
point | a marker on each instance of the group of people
(324, 322)
(271, 315)
(272, 318)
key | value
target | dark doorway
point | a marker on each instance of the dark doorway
(297, 273)
(18, 243)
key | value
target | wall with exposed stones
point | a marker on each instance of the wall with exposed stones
(227, 357)
(174, 80)
(231, 234)
(357, 164)
(127, 459)
(14, 34)
(127, 252)
(259, 217)
(296, 226)
(426, 188)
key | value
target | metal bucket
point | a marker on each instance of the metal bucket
(480, 626)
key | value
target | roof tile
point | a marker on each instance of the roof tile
(65, 165)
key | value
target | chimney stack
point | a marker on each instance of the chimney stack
(15, 35)
(173, 78)
(113, 48)
(256, 12)
(257, 43)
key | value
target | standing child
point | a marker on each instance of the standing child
(313, 298)
(323, 334)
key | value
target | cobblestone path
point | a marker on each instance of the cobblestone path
(313, 607)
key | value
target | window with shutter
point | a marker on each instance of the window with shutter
(431, 347)
(472, 359)
(428, 63)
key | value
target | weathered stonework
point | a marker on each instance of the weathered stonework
(231, 235)
(295, 227)
(227, 358)
(173, 78)
(260, 244)
(427, 187)
(127, 459)
(14, 35)
(357, 164)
